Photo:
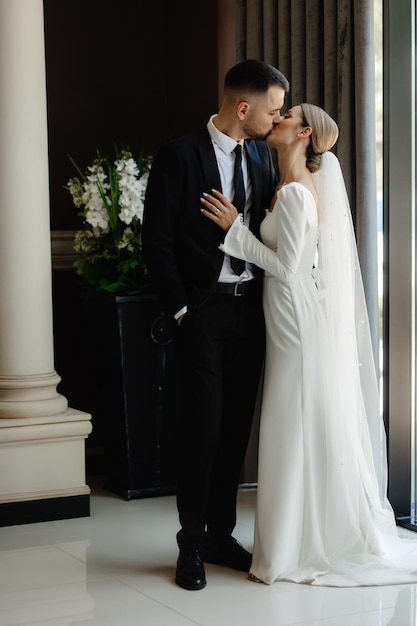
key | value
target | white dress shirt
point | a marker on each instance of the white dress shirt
(223, 147)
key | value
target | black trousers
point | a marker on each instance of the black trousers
(221, 353)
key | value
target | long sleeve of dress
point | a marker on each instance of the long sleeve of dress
(294, 221)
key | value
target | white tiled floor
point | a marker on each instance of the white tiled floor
(116, 568)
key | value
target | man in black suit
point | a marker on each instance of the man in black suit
(217, 305)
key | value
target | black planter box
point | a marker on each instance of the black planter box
(135, 392)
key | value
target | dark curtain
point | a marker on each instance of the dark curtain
(326, 49)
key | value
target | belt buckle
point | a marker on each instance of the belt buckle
(235, 291)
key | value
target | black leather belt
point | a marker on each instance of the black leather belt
(236, 289)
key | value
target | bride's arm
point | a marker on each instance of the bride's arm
(292, 228)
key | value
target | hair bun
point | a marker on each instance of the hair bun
(314, 162)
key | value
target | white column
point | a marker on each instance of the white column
(41, 439)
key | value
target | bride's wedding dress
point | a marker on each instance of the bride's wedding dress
(322, 514)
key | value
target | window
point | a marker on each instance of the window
(399, 253)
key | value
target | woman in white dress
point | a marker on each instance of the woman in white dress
(322, 514)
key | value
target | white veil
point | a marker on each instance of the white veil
(361, 534)
(354, 382)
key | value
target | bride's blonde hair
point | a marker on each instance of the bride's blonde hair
(324, 133)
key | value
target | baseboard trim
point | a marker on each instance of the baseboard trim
(45, 510)
(144, 492)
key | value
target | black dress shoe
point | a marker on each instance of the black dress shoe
(225, 550)
(190, 572)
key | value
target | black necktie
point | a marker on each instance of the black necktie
(238, 265)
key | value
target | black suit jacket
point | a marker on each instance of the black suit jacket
(180, 245)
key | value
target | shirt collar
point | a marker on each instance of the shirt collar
(224, 142)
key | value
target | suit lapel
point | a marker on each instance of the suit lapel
(254, 168)
(255, 173)
(208, 162)
(212, 181)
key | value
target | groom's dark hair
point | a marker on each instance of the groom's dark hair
(254, 76)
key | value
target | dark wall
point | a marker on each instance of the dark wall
(125, 72)
(128, 72)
